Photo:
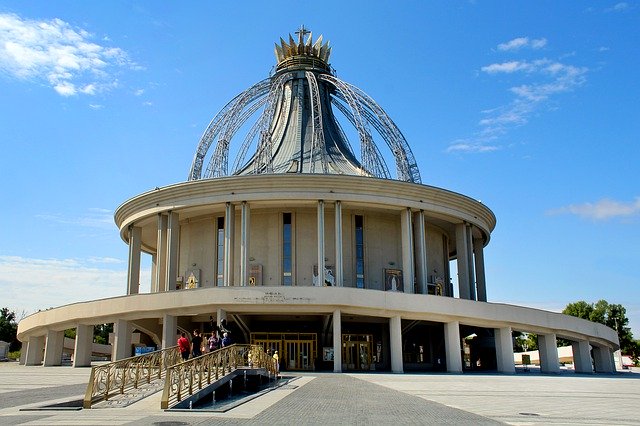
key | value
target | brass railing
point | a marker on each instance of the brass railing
(120, 376)
(186, 378)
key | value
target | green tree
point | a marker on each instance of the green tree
(525, 342)
(9, 328)
(611, 315)
(101, 333)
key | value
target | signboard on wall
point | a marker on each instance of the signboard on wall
(255, 274)
(192, 278)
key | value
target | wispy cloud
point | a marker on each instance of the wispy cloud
(522, 42)
(33, 284)
(619, 7)
(601, 210)
(532, 83)
(93, 218)
(58, 54)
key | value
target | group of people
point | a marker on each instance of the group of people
(200, 343)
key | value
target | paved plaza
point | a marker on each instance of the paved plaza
(327, 399)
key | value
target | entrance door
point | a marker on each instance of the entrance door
(356, 351)
(297, 351)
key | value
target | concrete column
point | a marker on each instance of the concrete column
(35, 348)
(133, 273)
(339, 259)
(321, 243)
(173, 239)
(83, 346)
(504, 350)
(53, 348)
(121, 340)
(154, 273)
(603, 359)
(221, 314)
(337, 341)
(407, 250)
(466, 284)
(161, 254)
(229, 243)
(478, 255)
(395, 337)
(244, 243)
(452, 347)
(582, 357)
(420, 239)
(169, 331)
(548, 349)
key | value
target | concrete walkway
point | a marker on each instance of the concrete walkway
(327, 399)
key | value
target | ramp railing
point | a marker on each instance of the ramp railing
(120, 376)
(191, 376)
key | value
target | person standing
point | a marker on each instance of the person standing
(196, 344)
(184, 346)
(226, 340)
(277, 359)
(212, 342)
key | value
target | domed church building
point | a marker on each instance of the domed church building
(318, 239)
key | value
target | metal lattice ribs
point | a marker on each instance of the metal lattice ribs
(294, 128)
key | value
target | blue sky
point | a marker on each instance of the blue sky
(531, 107)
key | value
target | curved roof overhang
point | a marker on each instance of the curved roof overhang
(194, 198)
(317, 300)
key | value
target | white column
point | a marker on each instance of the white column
(337, 341)
(452, 346)
(407, 250)
(161, 254)
(35, 347)
(121, 340)
(466, 285)
(154, 274)
(339, 266)
(321, 242)
(478, 255)
(504, 350)
(548, 349)
(395, 341)
(173, 238)
(582, 357)
(53, 348)
(420, 238)
(244, 243)
(83, 346)
(221, 314)
(229, 240)
(603, 359)
(133, 273)
(169, 331)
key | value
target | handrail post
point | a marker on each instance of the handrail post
(88, 395)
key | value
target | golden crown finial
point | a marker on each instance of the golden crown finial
(302, 49)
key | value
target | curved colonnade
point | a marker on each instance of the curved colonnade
(248, 248)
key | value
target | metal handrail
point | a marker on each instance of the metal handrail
(189, 377)
(120, 376)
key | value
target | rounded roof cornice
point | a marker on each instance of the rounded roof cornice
(389, 194)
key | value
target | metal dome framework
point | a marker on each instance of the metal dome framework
(303, 81)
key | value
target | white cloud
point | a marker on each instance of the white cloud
(29, 284)
(619, 7)
(521, 42)
(94, 218)
(506, 67)
(601, 210)
(139, 92)
(58, 54)
(541, 79)
(514, 44)
(96, 106)
(471, 147)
